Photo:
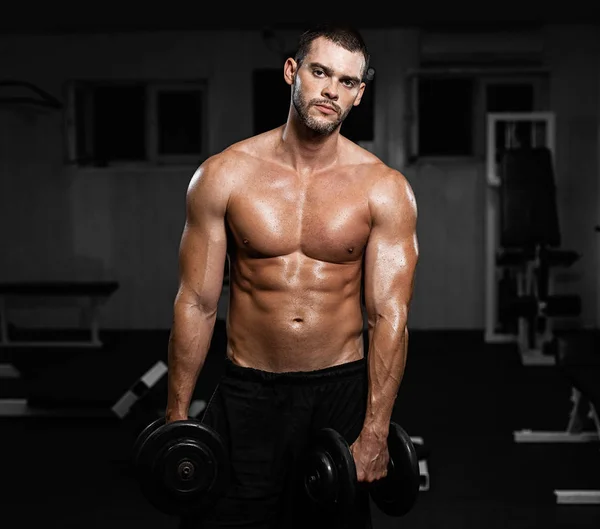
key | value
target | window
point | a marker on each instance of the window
(509, 97)
(503, 96)
(447, 110)
(120, 123)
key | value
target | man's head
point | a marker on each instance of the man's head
(327, 76)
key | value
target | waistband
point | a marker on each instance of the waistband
(337, 372)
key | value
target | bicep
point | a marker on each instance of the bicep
(203, 247)
(392, 252)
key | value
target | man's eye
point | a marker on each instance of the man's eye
(318, 72)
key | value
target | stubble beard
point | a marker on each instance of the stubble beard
(322, 127)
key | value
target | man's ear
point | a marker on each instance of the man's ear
(289, 70)
(361, 91)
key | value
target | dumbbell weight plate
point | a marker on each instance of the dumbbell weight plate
(183, 467)
(143, 436)
(330, 472)
(397, 493)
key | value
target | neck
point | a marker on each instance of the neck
(306, 150)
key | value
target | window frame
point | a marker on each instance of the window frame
(153, 158)
(482, 78)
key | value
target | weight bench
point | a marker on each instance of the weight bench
(94, 292)
(530, 242)
(578, 359)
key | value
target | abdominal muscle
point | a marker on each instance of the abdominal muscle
(280, 325)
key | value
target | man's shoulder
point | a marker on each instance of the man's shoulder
(226, 168)
(242, 153)
(386, 185)
(373, 166)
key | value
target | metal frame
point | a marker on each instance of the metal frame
(572, 434)
(424, 480)
(492, 222)
(93, 311)
(21, 408)
(90, 312)
(577, 497)
(152, 88)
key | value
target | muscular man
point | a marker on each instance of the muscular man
(306, 218)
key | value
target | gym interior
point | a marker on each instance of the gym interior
(494, 118)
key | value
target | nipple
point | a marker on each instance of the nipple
(245, 241)
(350, 250)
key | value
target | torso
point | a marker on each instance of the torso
(295, 245)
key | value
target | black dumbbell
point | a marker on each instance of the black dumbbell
(330, 479)
(181, 467)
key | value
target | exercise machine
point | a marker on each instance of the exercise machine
(577, 357)
(523, 240)
(88, 296)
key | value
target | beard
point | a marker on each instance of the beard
(320, 126)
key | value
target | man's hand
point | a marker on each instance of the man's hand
(371, 456)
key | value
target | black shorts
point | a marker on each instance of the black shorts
(266, 420)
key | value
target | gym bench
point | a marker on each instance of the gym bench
(96, 293)
(577, 356)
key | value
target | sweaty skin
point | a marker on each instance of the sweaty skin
(305, 219)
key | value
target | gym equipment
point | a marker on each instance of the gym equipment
(523, 236)
(397, 493)
(578, 359)
(330, 474)
(182, 467)
(123, 407)
(423, 452)
(136, 407)
(530, 306)
(93, 293)
(330, 479)
(44, 98)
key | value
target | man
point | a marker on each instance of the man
(306, 217)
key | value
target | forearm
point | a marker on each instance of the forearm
(189, 342)
(386, 362)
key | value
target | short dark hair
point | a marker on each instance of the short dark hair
(347, 37)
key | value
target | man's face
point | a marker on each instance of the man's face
(327, 85)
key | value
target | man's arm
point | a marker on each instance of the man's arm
(390, 261)
(202, 255)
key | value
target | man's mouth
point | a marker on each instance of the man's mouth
(326, 109)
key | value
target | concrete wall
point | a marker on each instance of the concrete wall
(60, 222)
(597, 216)
(573, 56)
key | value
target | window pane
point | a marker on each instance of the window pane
(120, 123)
(180, 122)
(509, 98)
(270, 99)
(84, 113)
(445, 117)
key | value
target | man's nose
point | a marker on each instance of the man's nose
(331, 90)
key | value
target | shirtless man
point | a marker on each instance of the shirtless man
(306, 218)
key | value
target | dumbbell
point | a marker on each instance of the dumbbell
(181, 467)
(330, 479)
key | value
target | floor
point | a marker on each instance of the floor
(464, 398)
